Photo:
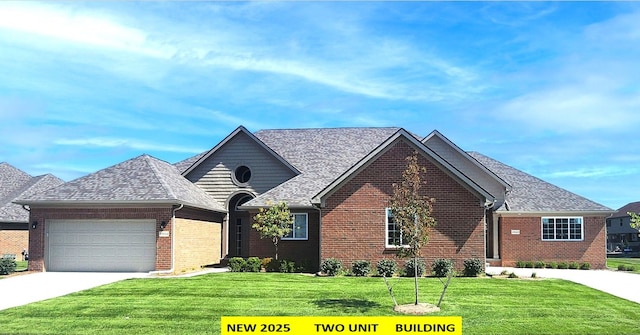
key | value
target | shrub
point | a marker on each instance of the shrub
(552, 265)
(512, 275)
(574, 265)
(268, 264)
(287, 266)
(528, 264)
(520, 264)
(331, 266)
(7, 265)
(472, 267)
(253, 264)
(361, 268)
(585, 266)
(237, 264)
(387, 267)
(534, 275)
(442, 267)
(631, 268)
(563, 265)
(305, 266)
(622, 267)
(539, 265)
(412, 269)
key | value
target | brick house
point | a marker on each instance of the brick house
(14, 219)
(337, 183)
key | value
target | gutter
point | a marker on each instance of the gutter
(173, 247)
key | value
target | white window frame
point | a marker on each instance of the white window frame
(387, 215)
(555, 228)
(293, 231)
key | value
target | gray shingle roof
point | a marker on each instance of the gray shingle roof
(321, 155)
(143, 179)
(531, 194)
(15, 184)
(630, 207)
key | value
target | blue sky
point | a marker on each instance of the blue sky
(552, 89)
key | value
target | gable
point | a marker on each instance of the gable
(468, 165)
(372, 186)
(215, 173)
(402, 136)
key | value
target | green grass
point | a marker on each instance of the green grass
(195, 305)
(613, 263)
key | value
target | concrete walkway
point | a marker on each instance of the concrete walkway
(621, 284)
(28, 288)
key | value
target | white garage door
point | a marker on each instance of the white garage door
(101, 245)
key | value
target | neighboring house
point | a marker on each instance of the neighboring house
(337, 183)
(620, 234)
(14, 219)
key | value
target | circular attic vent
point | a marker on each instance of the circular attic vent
(242, 174)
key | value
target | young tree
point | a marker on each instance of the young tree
(412, 214)
(635, 220)
(273, 223)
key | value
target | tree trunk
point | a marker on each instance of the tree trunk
(415, 275)
(275, 243)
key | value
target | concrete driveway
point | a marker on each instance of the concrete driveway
(25, 289)
(621, 284)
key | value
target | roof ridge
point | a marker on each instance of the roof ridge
(328, 128)
(151, 161)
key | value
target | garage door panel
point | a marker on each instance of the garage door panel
(101, 245)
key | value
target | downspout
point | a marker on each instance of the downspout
(173, 247)
(319, 234)
(486, 206)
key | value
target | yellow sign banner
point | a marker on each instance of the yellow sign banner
(310, 325)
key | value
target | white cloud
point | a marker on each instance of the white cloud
(596, 172)
(78, 27)
(572, 109)
(106, 142)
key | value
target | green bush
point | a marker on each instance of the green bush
(512, 275)
(520, 264)
(472, 267)
(331, 266)
(442, 267)
(574, 265)
(411, 267)
(563, 265)
(387, 267)
(622, 267)
(7, 265)
(361, 268)
(631, 268)
(253, 264)
(287, 266)
(539, 265)
(528, 264)
(585, 266)
(237, 264)
(552, 265)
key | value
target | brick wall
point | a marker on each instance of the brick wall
(299, 251)
(197, 244)
(353, 222)
(37, 236)
(528, 245)
(14, 241)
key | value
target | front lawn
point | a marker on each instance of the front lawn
(613, 263)
(195, 305)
